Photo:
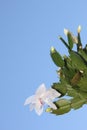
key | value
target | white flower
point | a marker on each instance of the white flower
(41, 97)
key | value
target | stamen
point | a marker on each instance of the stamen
(42, 103)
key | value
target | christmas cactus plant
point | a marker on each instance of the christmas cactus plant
(72, 71)
(72, 74)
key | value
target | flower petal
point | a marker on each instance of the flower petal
(39, 111)
(41, 90)
(29, 100)
(32, 106)
(39, 108)
(51, 104)
(52, 94)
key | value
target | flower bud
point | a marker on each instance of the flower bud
(79, 29)
(66, 31)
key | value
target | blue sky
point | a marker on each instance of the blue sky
(28, 28)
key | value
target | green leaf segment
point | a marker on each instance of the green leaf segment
(72, 75)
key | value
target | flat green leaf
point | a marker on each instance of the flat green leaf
(71, 91)
(77, 61)
(70, 40)
(76, 78)
(83, 54)
(56, 57)
(62, 102)
(77, 103)
(60, 87)
(83, 84)
(62, 110)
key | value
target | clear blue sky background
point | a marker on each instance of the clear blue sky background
(28, 28)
